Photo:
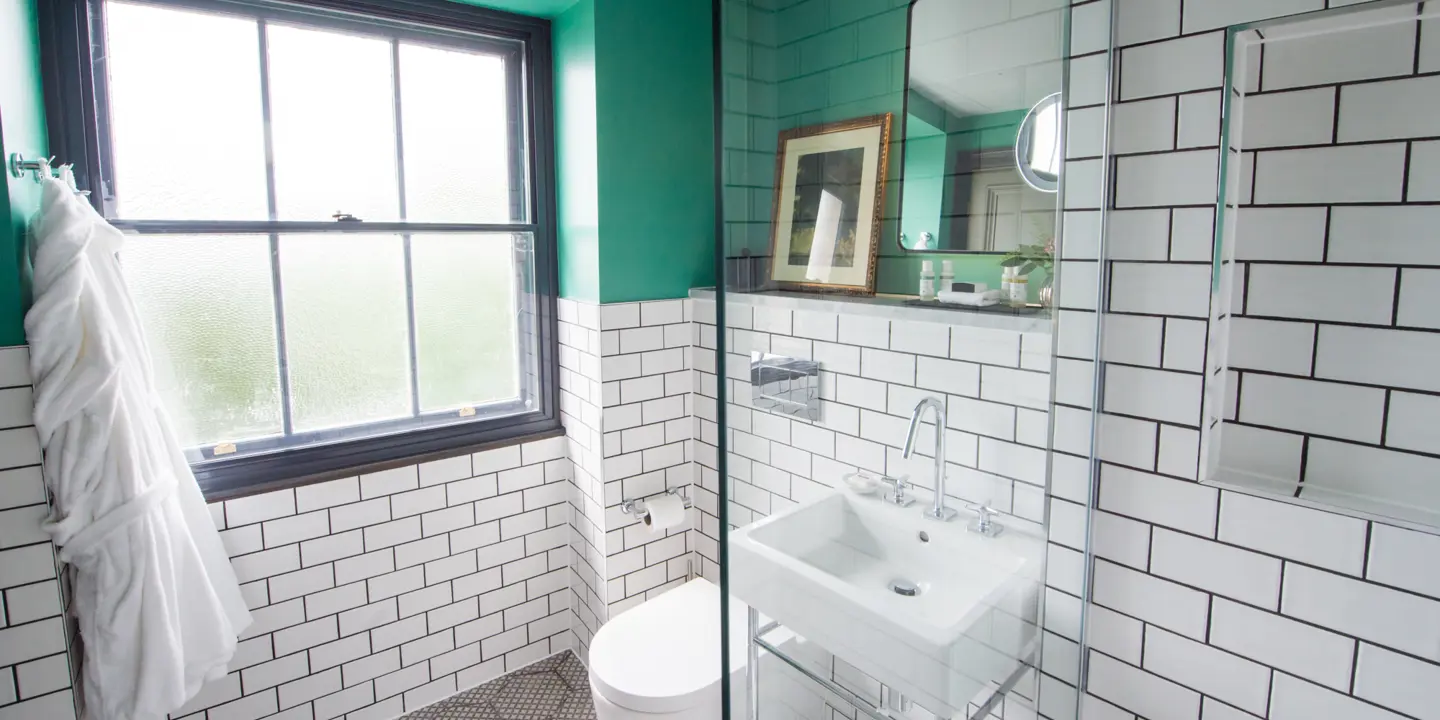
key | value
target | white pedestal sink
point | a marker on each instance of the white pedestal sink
(835, 571)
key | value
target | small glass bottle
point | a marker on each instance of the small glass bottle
(947, 275)
(927, 280)
(1007, 278)
(1019, 290)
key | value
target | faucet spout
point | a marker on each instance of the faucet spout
(937, 509)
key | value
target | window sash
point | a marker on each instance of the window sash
(528, 339)
(291, 227)
(74, 79)
(518, 70)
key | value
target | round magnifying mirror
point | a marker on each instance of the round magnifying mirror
(1037, 147)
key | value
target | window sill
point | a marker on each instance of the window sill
(259, 488)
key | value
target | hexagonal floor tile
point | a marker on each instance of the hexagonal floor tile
(556, 688)
(531, 697)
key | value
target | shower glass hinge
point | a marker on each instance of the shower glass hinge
(894, 701)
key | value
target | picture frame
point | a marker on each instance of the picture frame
(829, 199)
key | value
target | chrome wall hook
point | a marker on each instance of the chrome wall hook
(19, 166)
(44, 166)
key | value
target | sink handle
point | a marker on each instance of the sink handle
(984, 523)
(899, 495)
(899, 483)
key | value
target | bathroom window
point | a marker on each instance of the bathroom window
(340, 238)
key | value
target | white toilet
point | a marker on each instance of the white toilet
(661, 659)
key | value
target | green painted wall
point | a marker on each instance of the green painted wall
(578, 227)
(636, 149)
(22, 129)
(657, 148)
(937, 191)
(926, 152)
(538, 8)
(985, 132)
(750, 72)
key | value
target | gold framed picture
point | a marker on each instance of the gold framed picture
(829, 196)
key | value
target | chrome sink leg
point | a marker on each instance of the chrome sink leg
(752, 667)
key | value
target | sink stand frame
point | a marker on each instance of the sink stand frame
(756, 641)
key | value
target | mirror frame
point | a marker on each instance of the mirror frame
(1031, 177)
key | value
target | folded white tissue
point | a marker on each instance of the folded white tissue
(979, 299)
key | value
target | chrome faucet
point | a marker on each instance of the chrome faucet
(937, 510)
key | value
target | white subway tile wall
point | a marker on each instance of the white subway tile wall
(379, 594)
(1206, 602)
(626, 403)
(1331, 315)
(36, 678)
(775, 458)
(1138, 234)
(993, 382)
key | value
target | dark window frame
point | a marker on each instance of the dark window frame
(72, 55)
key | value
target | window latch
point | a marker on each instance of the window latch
(342, 216)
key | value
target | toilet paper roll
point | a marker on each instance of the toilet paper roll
(665, 511)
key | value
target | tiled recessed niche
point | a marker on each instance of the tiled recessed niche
(1323, 379)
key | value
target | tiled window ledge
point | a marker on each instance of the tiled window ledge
(890, 307)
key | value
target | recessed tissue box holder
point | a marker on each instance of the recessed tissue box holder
(785, 385)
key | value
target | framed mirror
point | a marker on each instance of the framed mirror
(982, 94)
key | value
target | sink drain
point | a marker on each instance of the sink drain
(904, 587)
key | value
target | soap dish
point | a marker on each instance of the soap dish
(863, 483)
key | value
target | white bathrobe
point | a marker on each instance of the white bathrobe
(158, 605)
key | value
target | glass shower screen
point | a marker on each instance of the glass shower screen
(908, 538)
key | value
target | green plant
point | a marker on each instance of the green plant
(1039, 255)
(1030, 257)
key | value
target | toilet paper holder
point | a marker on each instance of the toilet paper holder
(636, 506)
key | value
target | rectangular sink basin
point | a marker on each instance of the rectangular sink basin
(933, 610)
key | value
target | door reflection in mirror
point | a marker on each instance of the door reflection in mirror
(982, 144)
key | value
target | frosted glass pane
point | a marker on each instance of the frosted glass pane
(346, 333)
(208, 312)
(332, 121)
(453, 107)
(179, 81)
(465, 319)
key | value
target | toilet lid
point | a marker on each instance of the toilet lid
(664, 654)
